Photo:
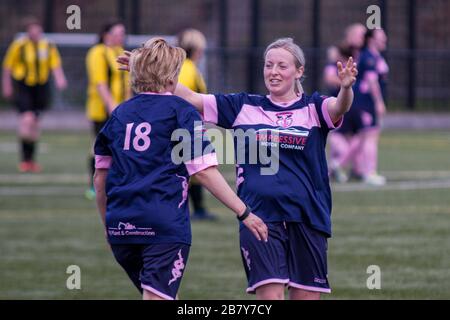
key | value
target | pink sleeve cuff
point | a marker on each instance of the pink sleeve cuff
(201, 163)
(103, 162)
(371, 75)
(326, 115)
(210, 113)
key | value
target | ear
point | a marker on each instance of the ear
(300, 72)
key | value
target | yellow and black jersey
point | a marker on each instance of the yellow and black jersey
(30, 61)
(102, 68)
(191, 77)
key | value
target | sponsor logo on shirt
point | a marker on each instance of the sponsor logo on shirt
(284, 119)
(286, 138)
(128, 229)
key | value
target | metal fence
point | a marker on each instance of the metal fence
(238, 31)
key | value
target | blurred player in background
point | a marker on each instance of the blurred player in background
(144, 205)
(194, 43)
(345, 142)
(107, 86)
(370, 97)
(26, 73)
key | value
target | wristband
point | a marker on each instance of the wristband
(246, 213)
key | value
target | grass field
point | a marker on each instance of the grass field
(46, 225)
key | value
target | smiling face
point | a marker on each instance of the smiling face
(280, 73)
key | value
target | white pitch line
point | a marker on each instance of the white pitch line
(43, 178)
(351, 187)
(416, 174)
(77, 178)
(41, 191)
(392, 186)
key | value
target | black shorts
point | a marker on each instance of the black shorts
(31, 98)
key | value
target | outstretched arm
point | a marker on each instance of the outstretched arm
(347, 75)
(190, 96)
(187, 94)
(212, 180)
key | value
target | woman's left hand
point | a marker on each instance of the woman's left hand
(124, 60)
(347, 74)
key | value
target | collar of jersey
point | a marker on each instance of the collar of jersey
(285, 104)
(167, 93)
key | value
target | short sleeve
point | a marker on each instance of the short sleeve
(367, 64)
(201, 153)
(55, 58)
(96, 66)
(222, 110)
(11, 56)
(321, 105)
(102, 151)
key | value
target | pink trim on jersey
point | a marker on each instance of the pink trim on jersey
(210, 113)
(185, 192)
(154, 291)
(239, 178)
(201, 163)
(167, 93)
(267, 281)
(306, 117)
(103, 162)
(381, 66)
(309, 288)
(326, 115)
(284, 104)
(364, 85)
(330, 70)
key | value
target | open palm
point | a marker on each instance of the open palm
(347, 74)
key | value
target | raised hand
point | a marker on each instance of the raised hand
(124, 60)
(347, 74)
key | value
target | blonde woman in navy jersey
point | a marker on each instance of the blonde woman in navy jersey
(141, 191)
(295, 203)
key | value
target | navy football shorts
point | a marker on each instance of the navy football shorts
(157, 268)
(369, 116)
(295, 255)
(352, 123)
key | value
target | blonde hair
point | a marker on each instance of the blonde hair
(299, 57)
(154, 65)
(191, 40)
